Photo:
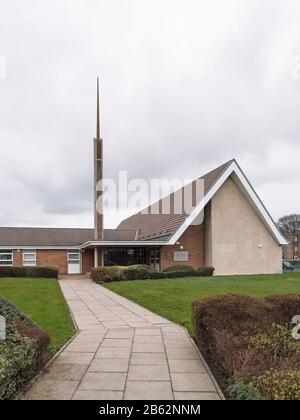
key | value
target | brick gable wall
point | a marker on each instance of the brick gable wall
(193, 242)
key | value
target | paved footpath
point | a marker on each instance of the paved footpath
(122, 351)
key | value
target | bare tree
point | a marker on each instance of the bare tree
(290, 224)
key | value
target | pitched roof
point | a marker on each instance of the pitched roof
(151, 226)
(61, 237)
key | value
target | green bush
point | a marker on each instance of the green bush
(278, 384)
(279, 339)
(206, 271)
(139, 272)
(18, 358)
(241, 391)
(30, 272)
(136, 273)
(119, 273)
(179, 267)
(9, 311)
(22, 352)
(178, 274)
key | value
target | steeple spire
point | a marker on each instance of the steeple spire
(98, 112)
(98, 180)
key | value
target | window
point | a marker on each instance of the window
(29, 258)
(124, 256)
(73, 257)
(6, 257)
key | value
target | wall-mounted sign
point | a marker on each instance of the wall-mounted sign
(181, 256)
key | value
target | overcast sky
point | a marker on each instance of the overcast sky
(185, 86)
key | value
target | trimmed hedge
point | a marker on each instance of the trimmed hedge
(206, 271)
(29, 272)
(189, 270)
(140, 272)
(243, 339)
(179, 268)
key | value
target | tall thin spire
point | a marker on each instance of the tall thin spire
(98, 180)
(98, 112)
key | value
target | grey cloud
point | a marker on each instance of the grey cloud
(185, 85)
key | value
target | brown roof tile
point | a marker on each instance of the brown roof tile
(155, 225)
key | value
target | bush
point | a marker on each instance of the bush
(9, 311)
(233, 313)
(240, 339)
(284, 306)
(18, 357)
(139, 272)
(30, 272)
(179, 268)
(22, 352)
(241, 391)
(136, 273)
(278, 384)
(206, 271)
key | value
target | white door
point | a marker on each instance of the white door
(74, 266)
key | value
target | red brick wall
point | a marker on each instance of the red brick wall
(193, 242)
(50, 258)
(18, 258)
(87, 260)
(53, 258)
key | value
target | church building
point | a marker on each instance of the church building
(228, 228)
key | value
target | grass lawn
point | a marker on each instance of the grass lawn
(42, 301)
(172, 298)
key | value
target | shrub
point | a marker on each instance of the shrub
(18, 357)
(136, 273)
(22, 352)
(278, 384)
(9, 311)
(231, 312)
(206, 271)
(144, 266)
(30, 272)
(284, 307)
(179, 268)
(240, 339)
(243, 391)
(279, 339)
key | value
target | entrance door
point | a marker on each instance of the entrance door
(155, 258)
(74, 266)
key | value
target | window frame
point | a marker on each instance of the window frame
(10, 262)
(29, 262)
(76, 260)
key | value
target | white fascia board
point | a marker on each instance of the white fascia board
(71, 247)
(122, 243)
(260, 208)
